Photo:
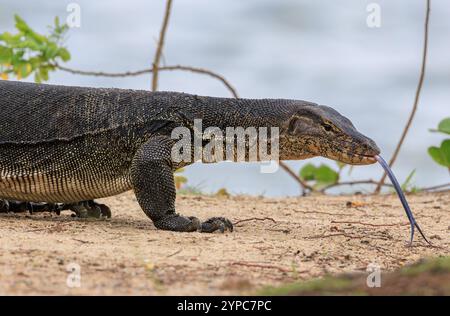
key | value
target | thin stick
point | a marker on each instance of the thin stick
(303, 184)
(255, 219)
(416, 99)
(197, 70)
(263, 266)
(174, 253)
(369, 181)
(160, 46)
(435, 187)
(368, 224)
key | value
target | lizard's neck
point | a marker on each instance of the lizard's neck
(260, 115)
(231, 112)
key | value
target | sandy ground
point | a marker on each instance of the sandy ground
(275, 241)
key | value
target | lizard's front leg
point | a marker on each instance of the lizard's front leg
(153, 183)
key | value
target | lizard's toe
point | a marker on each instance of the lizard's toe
(216, 223)
(105, 210)
(97, 210)
(178, 223)
(89, 209)
(4, 206)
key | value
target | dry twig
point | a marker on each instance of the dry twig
(255, 219)
(263, 266)
(416, 99)
(368, 224)
(197, 70)
(159, 48)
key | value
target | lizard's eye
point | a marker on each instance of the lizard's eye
(327, 127)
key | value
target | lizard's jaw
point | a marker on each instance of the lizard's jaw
(357, 159)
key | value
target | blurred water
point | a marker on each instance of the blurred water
(320, 51)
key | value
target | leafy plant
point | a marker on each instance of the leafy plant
(441, 154)
(222, 193)
(407, 186)
(320, 176)
(29, 52)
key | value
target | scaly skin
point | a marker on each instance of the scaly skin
(70, 144)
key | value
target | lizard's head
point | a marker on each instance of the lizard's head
(318, 130)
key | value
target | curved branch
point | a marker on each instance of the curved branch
(302, 183)
(197, 70)
(159, 48)
(369, 181)
(416, 99)
(436, 187)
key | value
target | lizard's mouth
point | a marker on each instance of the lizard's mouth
(357, 159)
(366, 159)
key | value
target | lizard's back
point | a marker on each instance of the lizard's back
(33, 113)
(66, 144)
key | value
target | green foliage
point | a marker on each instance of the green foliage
(426, 277)
(407, 186)
(29, 52)
(326, 285)
(320, 176)
(441, 154)
(443, 127)
(222, 193)
(440, 265)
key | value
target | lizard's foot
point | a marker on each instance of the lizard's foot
(7, 206)
(90, 209)
(178, 223)
(216, 223)
(105, 211)
(175, 222)
(4, 206)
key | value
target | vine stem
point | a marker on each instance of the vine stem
(159, 48)
(416, 99)
(197, 70)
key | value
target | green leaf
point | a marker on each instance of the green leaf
(51, 51)
(28, 44)
(5, 55)
(39, 39)
(10, 39)
(64, 54)
(444, 126)
(43, 72)
(325, 175)
(445, 150)
(307, 173)
(441, 155)
(435, 153)
(37, 78)
(322, 175)
(21, 25)
(56, 21)
(25, 70)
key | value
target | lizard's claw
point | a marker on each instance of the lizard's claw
(90, 209)
(4, 206)
(216, 223)
(105, 211)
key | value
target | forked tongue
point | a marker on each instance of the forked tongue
(402, 198)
